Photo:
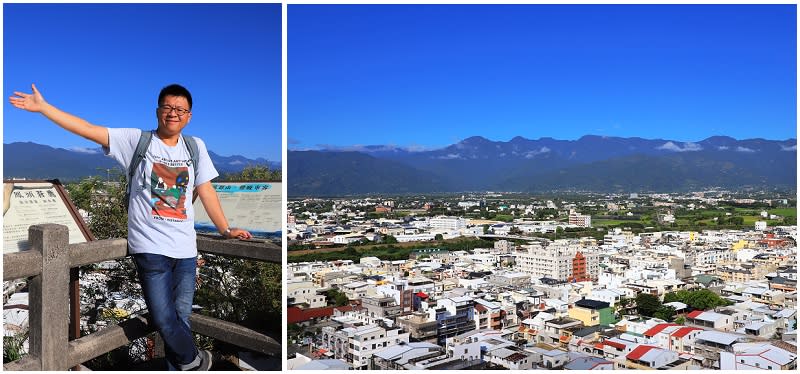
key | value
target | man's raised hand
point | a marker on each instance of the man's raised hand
(31, 102)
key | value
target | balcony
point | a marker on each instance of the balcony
(48, 265)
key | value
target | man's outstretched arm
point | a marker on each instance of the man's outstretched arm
(34, 102)
(214, 209)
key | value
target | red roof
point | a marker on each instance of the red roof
(422, 295)
(616, 345)
(480, 308)
(695, 314)
(296, 314)
(657, 329)
(683, 331)
(640, 351)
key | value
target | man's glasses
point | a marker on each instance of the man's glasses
(178, 110)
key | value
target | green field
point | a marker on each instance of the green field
(783, 212)
(612, 222)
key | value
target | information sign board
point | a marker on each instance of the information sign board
(253, 206)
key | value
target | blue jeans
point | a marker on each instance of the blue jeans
(168, 288)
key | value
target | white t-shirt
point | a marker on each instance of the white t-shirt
(160, 213)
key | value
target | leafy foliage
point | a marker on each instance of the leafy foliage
(647, 304)
(700, 299)
(104, 203)
(336, 297)
(246, 292)
(665, 312)
(387, 252)
(13, 348)
(254, 173)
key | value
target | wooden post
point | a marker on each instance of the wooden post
(49, 296)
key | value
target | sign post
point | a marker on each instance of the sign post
(27, 203)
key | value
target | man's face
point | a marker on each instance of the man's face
(170, 120)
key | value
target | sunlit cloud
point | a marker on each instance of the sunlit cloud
(85, 150)
(687, 147)
(744, 149)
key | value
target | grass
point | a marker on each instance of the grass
(612, 222)
(783, 212)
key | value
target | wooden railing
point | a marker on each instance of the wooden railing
(48, 264)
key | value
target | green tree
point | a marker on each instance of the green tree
(647, 304)
(337, 298)
(665, 312)
(438, 237)
(700, 299)
(680, 320)
(254, 173)
(81, 193)
(736, 221)
(389, 239)
(247, 292)
(104, 203)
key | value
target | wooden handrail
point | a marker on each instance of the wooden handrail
(48, 263)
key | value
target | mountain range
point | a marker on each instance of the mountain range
(36, 161)
(591, 163)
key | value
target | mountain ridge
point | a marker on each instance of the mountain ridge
(38, 161)
(520, 164)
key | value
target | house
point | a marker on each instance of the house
(708, 319)
(404, 356)
(511, 359)
(589, 363)
(548, 357)
(647, 357)
(760, 329)
(592, 312)
(761, 355)
(709, 345)
(556, 331)
(614, 348)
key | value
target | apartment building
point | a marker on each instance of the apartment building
(558, 262)
(357, 345)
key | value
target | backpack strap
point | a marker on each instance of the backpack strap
(136, 160)
(194, 154)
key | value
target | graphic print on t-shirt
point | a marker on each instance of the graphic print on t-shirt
(168, 191)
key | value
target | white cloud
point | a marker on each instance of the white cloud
(379, 148)
(84, 150)
(792, 148)
(450, 156)
(744, 149)
(237, 162)
(533, 153)
(722, 148)
(687, 147)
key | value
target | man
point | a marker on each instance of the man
(161, 236)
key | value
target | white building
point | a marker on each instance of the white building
(356, 345)
(448, 223)
(304, 291)
(580, 220)
(555, 262)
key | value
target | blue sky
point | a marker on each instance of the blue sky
(428, 76)
(106, 63)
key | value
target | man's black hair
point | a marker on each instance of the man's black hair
(175, 90)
